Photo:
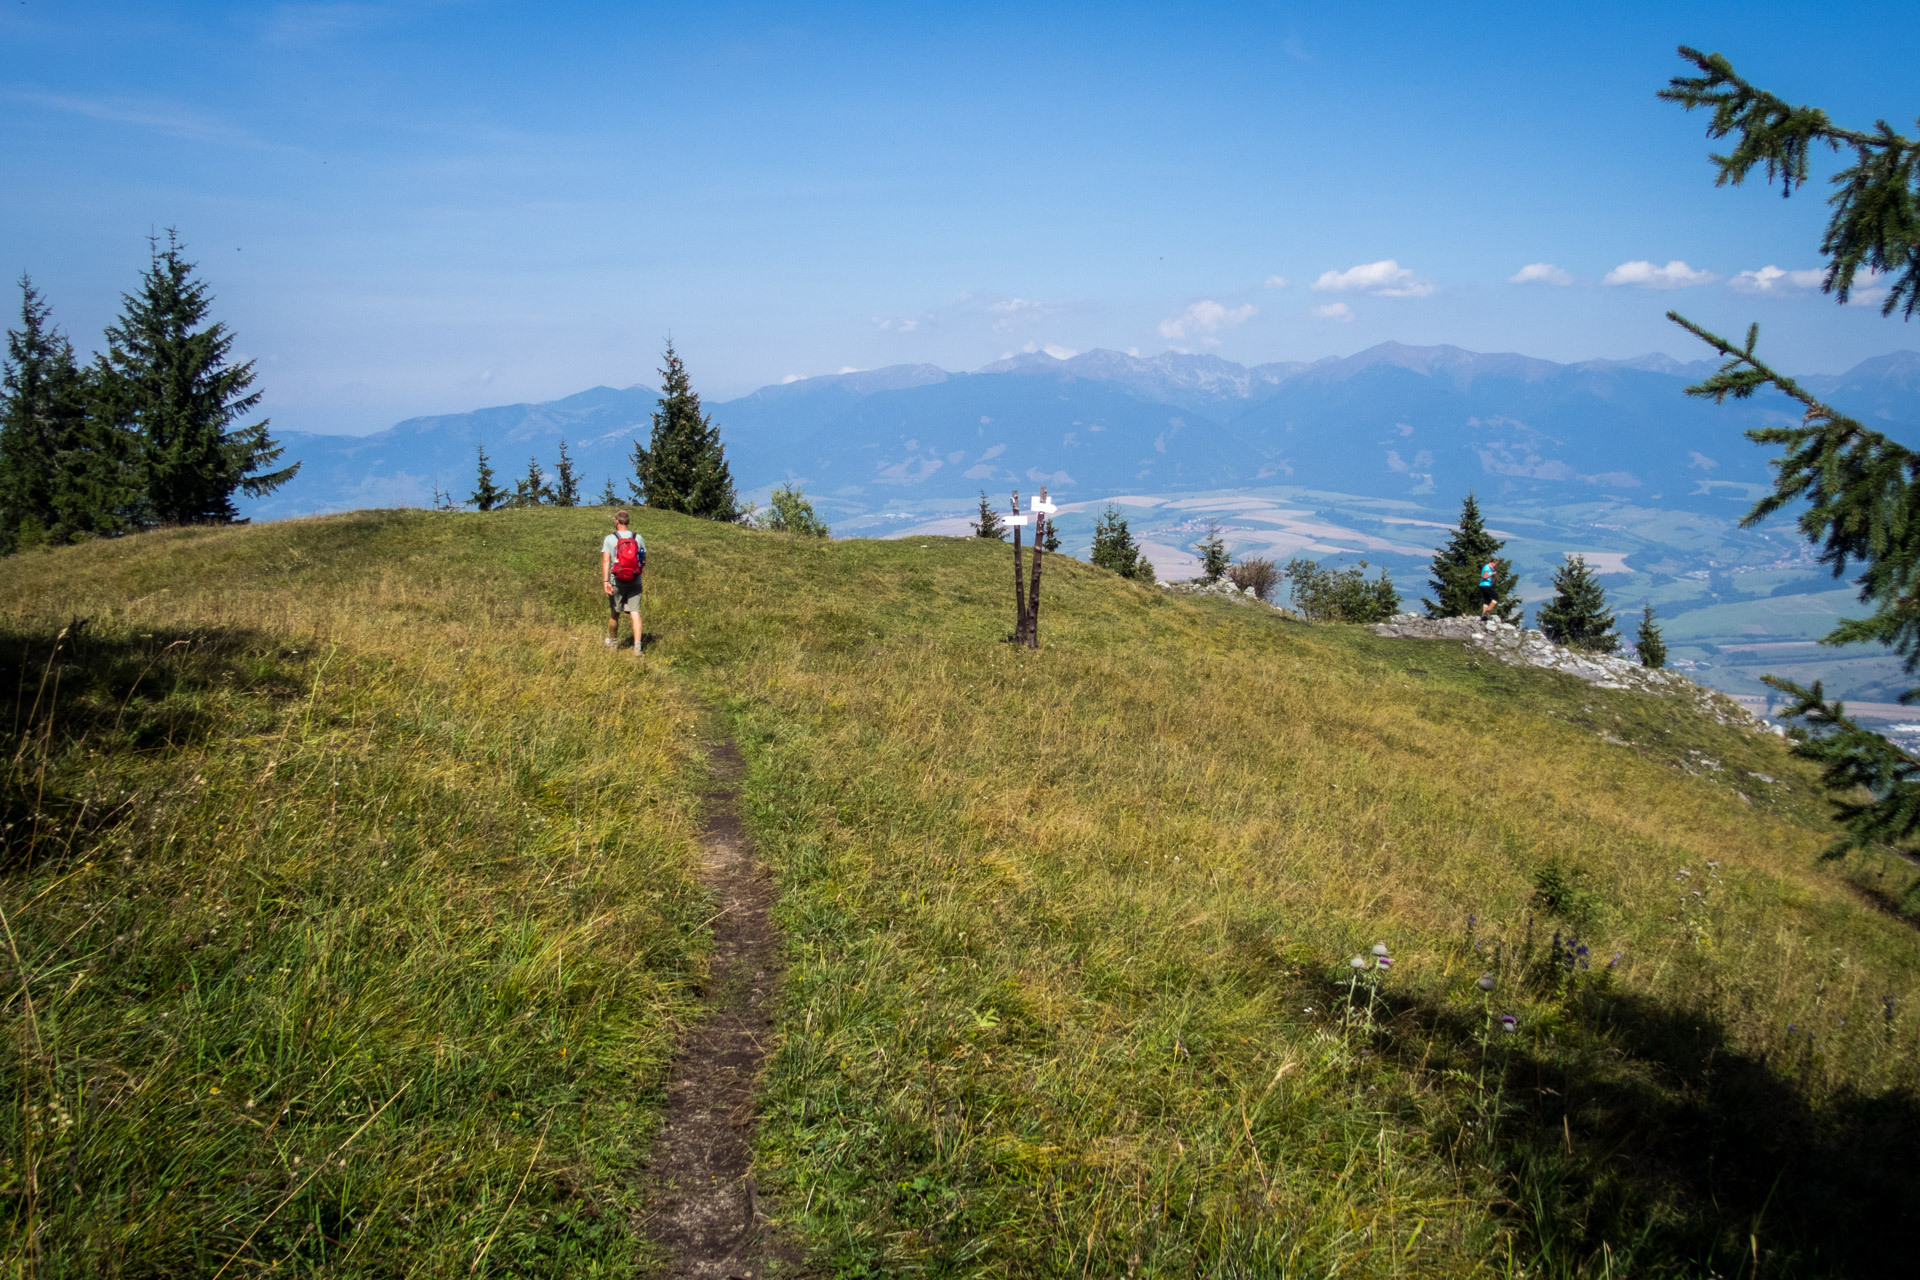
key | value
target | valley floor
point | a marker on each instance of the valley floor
(353, 907)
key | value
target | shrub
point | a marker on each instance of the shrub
(1259, 573)
(1341, 595)
(788, 511)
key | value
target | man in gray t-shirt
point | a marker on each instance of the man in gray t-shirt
(623, 564)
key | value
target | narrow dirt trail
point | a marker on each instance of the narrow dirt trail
(702, 1206)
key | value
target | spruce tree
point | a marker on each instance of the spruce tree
(1456, 571)
(684, 466)
(1578, 616)
(566, 480)
(988, 525)
(1648, 640)
(1858, 486)
(165, 375)
(1115, 549)
(486, 494)
(532, 489)
(65, 472)
(608, 498)
(1213, 554)
(1050, 535)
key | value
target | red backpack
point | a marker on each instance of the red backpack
(626, 557)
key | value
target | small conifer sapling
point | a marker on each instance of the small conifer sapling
(486, 494)
(566, 480)
(1214, 559)
(1648, 640)
(987, 524)
(1578, 616)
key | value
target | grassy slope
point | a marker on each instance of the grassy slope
(343, 828)
(1068, 930)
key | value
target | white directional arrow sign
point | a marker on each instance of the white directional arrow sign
(1045, 508)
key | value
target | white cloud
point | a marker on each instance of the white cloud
(1275, 282)
(904, 325)
(792, 377)
(1334, 311)
(1540, 273)
(1203, 317)
(1772, 279)
(847, 368)
(1059, 352)
(1675, 275)
(1386, 278)
(1009, 312)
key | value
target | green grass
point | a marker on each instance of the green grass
(1067, 931)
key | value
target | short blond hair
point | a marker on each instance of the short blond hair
(621, 517)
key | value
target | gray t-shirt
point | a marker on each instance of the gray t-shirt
(609, 548)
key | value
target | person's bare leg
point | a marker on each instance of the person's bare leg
(613, 628)
(635, 615)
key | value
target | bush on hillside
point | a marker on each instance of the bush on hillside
(1259, 573)
(788, 511)
(1341, 595)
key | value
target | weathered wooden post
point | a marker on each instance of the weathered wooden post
(1041, 510)
(1019, 582)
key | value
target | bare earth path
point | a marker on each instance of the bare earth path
(702, 1206)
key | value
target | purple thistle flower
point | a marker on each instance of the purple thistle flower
(1509, 1023)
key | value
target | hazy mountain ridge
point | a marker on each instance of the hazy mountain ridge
(1393, 420)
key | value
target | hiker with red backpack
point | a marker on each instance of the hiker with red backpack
(623, 563)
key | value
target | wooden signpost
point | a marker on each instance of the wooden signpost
(1026, 595)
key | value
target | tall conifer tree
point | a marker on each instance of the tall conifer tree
(486, 494)
(1115, 549)
(684, 466)
(64, 472)
(1859, 487)
(1213, 554)
(532, 489)
(166, 375)
(566, 480)
(1456, 571)
(1578, 616)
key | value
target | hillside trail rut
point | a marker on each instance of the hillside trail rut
(702, 1207)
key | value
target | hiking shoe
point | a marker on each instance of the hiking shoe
(611, 642)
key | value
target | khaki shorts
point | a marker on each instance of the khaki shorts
(625, 597)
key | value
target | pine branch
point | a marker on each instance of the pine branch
(1853, 759)
(1876, 205)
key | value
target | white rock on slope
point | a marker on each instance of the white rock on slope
(1518, 648)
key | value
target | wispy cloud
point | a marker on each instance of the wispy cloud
(298, 24)
(1276, 282)
(1385, 279)
(1204, 317)
(1771, 279)
(1675, 275)
(1540, 273)
(1011, 312)
(171, 119)
(1333, 311)
(904, 324)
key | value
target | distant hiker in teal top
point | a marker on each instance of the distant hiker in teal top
(623, 564)
(1488, 573)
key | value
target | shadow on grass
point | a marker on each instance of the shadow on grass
(1645, 1144)
(77, 698)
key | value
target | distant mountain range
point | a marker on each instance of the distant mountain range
(1391, 421)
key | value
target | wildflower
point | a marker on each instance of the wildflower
(1358, 963)
(1384, 962)
(1380, 948)
(1615, 962)
(1509, 1023)
(1486, 982)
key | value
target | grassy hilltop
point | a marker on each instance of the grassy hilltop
(351, 911)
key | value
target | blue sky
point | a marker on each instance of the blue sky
(427, 207)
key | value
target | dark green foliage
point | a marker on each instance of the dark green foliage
(1213, 554)
(987, 524)
(788, 511)
(1257, 572)
(486, 494)
(532, 489)
(608, 498)
(165, 375)
(65, 474)
(684, 466)
(1861, 490)
(1115, 549)
(566, 481)
(1578, 616)
(1565, 894)
(1050, 535)
(1648, 640)
(1876, 209)
(1456, 571)
(1322, 594)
